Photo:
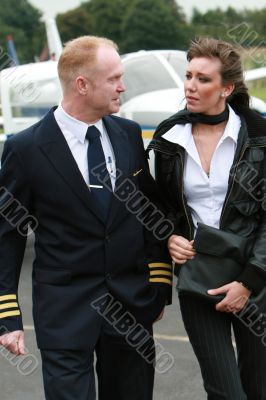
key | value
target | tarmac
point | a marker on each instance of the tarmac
(177, 378)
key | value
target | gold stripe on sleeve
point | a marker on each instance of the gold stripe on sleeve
(8, 305)
(161, 280)
(160, 265)
(8, 297)
(9, 314)
(160, 272)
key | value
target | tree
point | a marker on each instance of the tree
(74, 23)
(22, 20)
(154, 24)
(217, 23)
(107, 17)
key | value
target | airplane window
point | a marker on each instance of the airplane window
(178, 62)
(145, 74)
(30, 111)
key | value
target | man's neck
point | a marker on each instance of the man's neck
(78, 111)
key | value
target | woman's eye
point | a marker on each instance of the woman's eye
(204, 80)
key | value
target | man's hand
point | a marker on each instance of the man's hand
(236, 296)
(14, 342)
(180, 249)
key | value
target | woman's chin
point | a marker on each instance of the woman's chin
(193, 109)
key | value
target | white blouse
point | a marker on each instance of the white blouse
(205, 195)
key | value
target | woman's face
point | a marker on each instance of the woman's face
(203, 86)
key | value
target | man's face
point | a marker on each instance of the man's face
(103, 95)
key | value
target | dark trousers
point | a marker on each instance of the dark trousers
(225, 376)
(123, 373)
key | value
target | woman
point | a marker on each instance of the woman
(211, 166)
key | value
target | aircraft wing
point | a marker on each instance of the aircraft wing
(256, 73)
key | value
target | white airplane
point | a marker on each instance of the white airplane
(153, 79)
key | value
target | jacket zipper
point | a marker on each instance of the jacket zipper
(183, 201)
(182, 190)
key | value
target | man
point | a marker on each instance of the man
(93, 252)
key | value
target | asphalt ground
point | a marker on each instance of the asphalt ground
(21, 379)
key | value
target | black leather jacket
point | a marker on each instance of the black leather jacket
(244, 208)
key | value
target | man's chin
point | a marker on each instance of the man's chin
(114, 110)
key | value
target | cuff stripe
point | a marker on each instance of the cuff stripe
(9, 314)
(160, 272)
(160, 265)
(161, 280)
(8, 297)
(8, 305)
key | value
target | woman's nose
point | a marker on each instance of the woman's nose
(190, 85)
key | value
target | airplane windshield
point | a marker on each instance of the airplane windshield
(178, 62)
(145, 74)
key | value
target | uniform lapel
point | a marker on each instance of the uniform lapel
(120, 144)
(53, 144)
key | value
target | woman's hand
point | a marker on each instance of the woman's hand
(236, 296)
(180, 249)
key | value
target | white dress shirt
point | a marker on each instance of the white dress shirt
(74, 132)
(205, 195)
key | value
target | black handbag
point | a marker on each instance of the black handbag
(220, 258)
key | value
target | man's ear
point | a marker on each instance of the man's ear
(82, 85)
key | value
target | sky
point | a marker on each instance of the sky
(52, 7)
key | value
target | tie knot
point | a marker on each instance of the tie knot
(92, 133)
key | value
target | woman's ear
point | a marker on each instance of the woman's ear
(228, 90)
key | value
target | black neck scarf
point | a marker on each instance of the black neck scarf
(184, 117)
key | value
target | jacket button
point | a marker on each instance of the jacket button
(108, 276)
(107, 238)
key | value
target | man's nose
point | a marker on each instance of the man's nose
(121, 86)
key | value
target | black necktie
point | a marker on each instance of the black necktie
(100, 183)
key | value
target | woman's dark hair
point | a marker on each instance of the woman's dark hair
(231, 69)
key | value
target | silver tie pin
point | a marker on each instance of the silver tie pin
(96, 186)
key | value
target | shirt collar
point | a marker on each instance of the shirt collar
(76, 127)
(181, 134)
(232, 127)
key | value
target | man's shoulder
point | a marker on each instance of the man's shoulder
(23, 138)
(26, 136)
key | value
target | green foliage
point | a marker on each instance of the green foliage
(74, 23)
(107, 17)
(95, 17)
(20, 19)
(246, 28)
(153, 24)
(133, 25)
(259, 92)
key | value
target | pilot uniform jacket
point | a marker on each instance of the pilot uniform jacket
(79, 258)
